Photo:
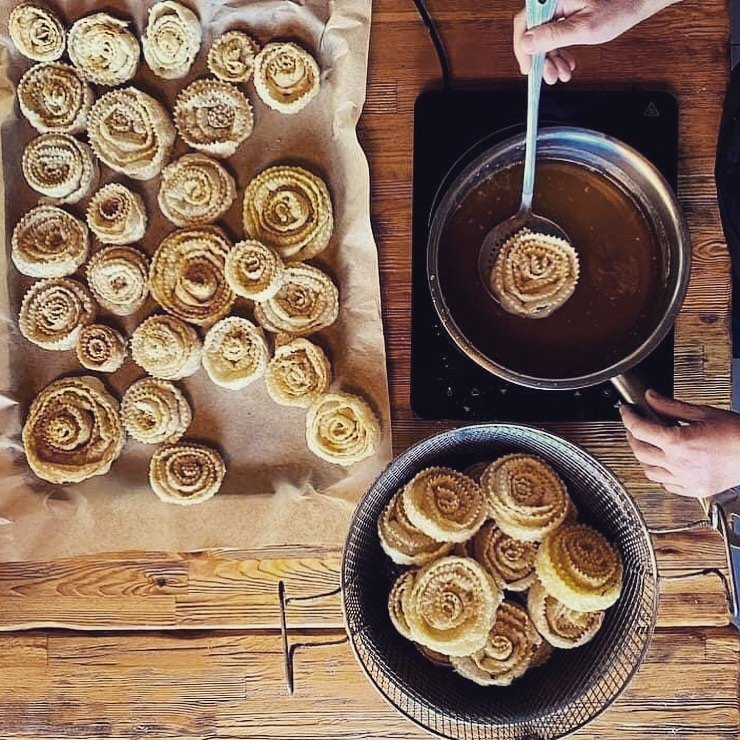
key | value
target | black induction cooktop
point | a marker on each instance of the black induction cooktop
(450, 128)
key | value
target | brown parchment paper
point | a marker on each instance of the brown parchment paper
(275, 492)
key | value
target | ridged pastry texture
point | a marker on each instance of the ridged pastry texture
(341, 428)
(116, 215)
(452, 606)
(526, 496)
(444, 504)
(60, 167)
(290, 210)
(235, 353)
(131, 132)
(186, 473)
(186, 276)
(560, 626)
(401, 541)
(213, 116)
(103, 49)
(101, 348)
(306, 302)
(119, 279)
(232, 56)
(509, 561)
(580, 568)
(254, 271)
(298, 373)
(171, 40)
(36, 31)
(155, 411)
(397, 600)
(53, 311)
(508, 651)
(195, 190)
(534, 274)
(55, 98)
(286, 76)
(166, 347)
(48, 242)
(73, 430)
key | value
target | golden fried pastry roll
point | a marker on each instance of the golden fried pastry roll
(298, 374)
(154, 411)
(101, 348)
(509, 561)
(186, 473)
(171, 40)
(118, 278)
(396, 602)
(232, 56)
(36, 31)
(116, 215)
(254, 271)
(166, 347)
(286, 76)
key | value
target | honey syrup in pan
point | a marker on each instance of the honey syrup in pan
(619, 297)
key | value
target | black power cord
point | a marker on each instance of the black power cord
(433, 32)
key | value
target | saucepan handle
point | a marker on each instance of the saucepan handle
(632, 387)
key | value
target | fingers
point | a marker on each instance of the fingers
(555, 35)
(650, 432)
(520, 26)
(564, 70)
(646, 453)
(660, 475)
(550, 72)
(675, 409)
(559, 64)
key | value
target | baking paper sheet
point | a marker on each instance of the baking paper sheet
(275, 492)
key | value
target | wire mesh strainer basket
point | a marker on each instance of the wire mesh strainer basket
(574, 685)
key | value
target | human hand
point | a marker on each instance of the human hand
(697, 459)
(578, 22)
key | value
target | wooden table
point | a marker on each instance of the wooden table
(217, 671)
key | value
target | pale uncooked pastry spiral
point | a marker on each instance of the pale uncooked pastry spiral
(534, 274)
(235, 353)
(341, 428)
(290, 210)
(103, 49)
(154, 411)
(286, 76)
(213, 117)
(186, 276)
(131, 132)
(195, 190)
(49, 242)
(445, 504)
(526, 496)
(401, 541)
(306, 302)
(232, 56)
(55, 98)
(254, 271)
(397, 601)
(60, 167)
(116, 215)
(452, 606)
(73, 430)
(298, 374)
(560, 626)
(101, 348)
(53, 311)
(580, 568)
(36, 31)
(509, 561)
(508, 651)
(171, 40)
(119, 279)
(166, 347)
(186, 473)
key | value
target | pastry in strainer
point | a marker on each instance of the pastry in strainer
(186, 473)
(186, 276)
(36, 31)
(232, 55)
(560, 626)
(60, 167)
(54, 98)
(452, 606)
(54, 311)
(306, 302)
(507, 652)
(171, 40)
(396, 602)
(103, 49)
(526, 496)
(577, 566)
(73, 430)
(401, 541)
(118, 278)
(298, 373)
(509, 561)
(154, 411)
(254, 271)
(166, 347)
(101, 348)
(444, 504)
(290, 210)
(286, 76)
(49, 242)
(195, 190)
(116, 215)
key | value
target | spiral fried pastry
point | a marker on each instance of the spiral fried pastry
(509, 561)
(73, 430)
(186, 473)
(444, 504)
(100, 348)
(526, 496)
(235, 353)
(298, 374)
(166, 347)
(232, 56)
(286, 77)
(154, 411)
(116, 215)
(36, 31)
(396, 602)
(171, 40)
(118, 278)
(48, 242)
(254, 271)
